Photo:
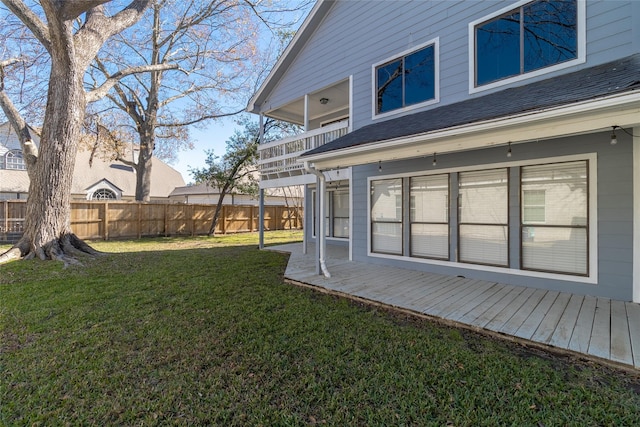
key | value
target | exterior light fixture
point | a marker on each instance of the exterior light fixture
(509, 150)
(324, 101)
(435, 161)
(379, 165)
(614, 138)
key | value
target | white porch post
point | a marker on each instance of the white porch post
(261, 198)
(636, 214)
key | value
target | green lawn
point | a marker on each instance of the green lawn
(201, 331)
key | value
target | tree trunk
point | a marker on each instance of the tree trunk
(216, 214)
(47, 233)
(143, 169)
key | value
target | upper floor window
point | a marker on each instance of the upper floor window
(527, 39)
(14, 160)
(407, 80)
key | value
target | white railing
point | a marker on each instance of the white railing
(280, 157)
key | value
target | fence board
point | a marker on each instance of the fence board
(118, 220)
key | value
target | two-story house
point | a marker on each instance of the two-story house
(497, 140)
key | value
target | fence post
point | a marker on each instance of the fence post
(223, 226)
(251, 219)
(5, 225)
(193, 220)
(165, 225)
(105, 215)
(139, 220)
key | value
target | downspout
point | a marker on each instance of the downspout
(321, 234)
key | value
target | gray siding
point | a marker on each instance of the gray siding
(357, 34)
(614, 210)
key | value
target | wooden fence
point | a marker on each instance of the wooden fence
(116, 220)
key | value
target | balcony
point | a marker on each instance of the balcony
(278, 159)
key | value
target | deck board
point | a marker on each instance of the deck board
(567, 323)
(509, 311)
(519, 317)
(633, 316)
(620, 338)
(589, 325)
(600, 344)
(550, 321)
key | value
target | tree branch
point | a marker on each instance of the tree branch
(72, 9)
(199, 119)
(102, 90)
(31, 20)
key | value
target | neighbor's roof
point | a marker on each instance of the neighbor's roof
(590, 83)
(163, 177)
(14, 181)
(194, 189)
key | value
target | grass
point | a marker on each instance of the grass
(201, 331)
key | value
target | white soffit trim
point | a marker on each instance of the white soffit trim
(578, 118)
(285, 55)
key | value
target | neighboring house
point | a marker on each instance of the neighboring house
(205, 194)
(488, 139)
(93, 179)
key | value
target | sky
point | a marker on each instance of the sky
(213, 138)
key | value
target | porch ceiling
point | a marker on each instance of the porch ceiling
(337, 104)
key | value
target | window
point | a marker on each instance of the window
(555, 225)
(336, 213)
(14, 160)
(483, 217)
(534, 36)
(103, 194)
(340, 211)
(386, 216)
(430, 216)
(408, 80)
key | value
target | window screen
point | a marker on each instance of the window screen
(483, 217)
(554, 234)
(386, 216)
(430, 216)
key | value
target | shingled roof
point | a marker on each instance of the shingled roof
(590, 83)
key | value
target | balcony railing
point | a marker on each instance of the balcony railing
(279, 158)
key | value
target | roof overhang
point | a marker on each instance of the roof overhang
(578, 118)
(301, 37)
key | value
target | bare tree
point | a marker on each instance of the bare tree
(215, 45)
(71, 33)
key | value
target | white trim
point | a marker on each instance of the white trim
(592, 279)
(636, 214)
(285, 54)
(580, 58)
(350, 128)
(350, 215)
(436, 80)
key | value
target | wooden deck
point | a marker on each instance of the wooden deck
(597, 327)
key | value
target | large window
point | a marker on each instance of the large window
(483, 217)
(386, 216)
(430, 216)
(407, 80)
(555, 218)
(536, 35)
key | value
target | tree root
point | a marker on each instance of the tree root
(67, 249)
